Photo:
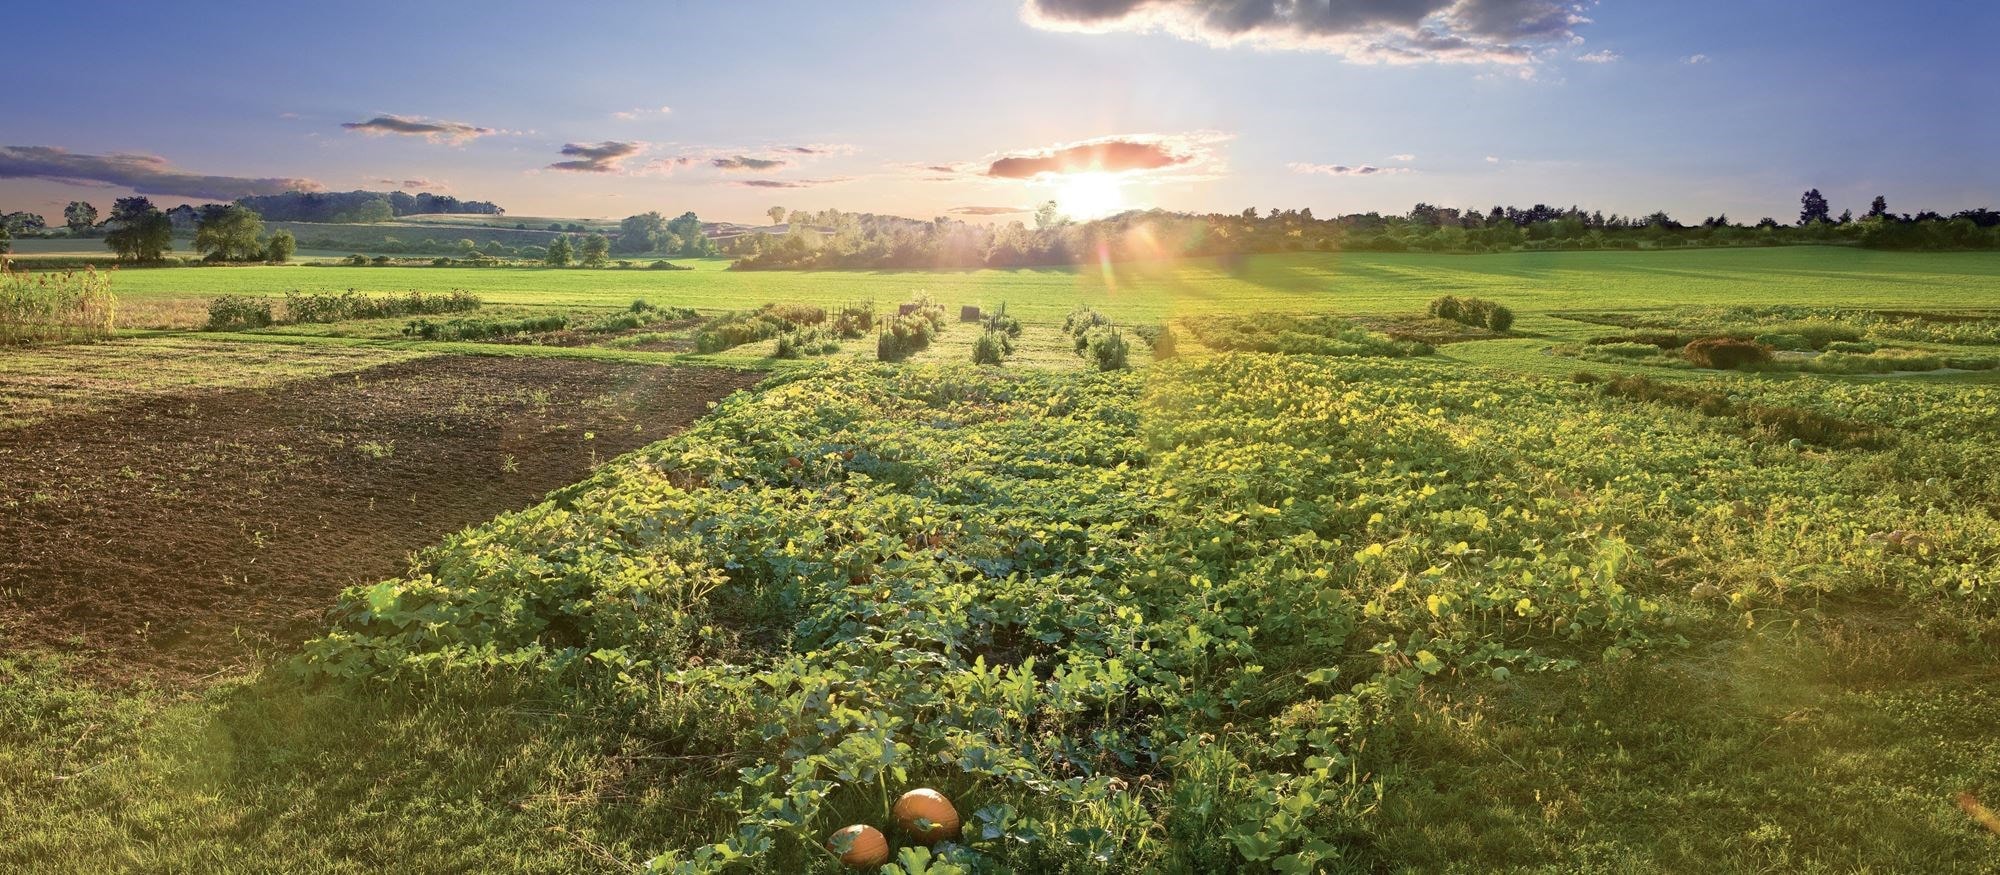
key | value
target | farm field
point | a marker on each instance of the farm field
(1151, 291)
(1452, 618)
(1414, 583)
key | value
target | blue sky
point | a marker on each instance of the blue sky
(1695, 106)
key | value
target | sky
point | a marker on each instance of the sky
(981, 109)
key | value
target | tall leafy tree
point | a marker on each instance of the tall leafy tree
(80, 216)
(6, 241)
(1879, 208)
(1814, 208)
(595, 250)
(777, 215)
(229, 233)
(560, 252)
(140, 231)
(645, 232)
(281, 247)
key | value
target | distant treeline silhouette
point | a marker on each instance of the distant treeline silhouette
(831, 239)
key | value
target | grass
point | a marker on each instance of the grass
(50, 381)
(1354, 283)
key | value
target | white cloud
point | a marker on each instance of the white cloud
(1346, 170)
(1696, 59)
(1403, 158)
(1605, 56)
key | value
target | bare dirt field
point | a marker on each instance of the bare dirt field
(182, 533)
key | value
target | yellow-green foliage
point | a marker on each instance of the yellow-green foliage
(54, 307)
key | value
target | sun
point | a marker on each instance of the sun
(1090, 196)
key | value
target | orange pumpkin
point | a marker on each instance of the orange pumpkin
(931, 806)
(866, 846)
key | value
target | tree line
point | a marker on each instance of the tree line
(360, 206)
(833, 240)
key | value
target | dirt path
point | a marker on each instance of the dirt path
(185, 533)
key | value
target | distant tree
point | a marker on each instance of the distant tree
(185, 218)
(281, 247)
(1049, 216)
(1879, 208)
(1814, 208)
(229, 233)
(79, 216)
(646, 232)
(595, 251)
(141, 232)
(560, 252)
(1845, 217)
(23, 223)
(6, 241)
(777, 215)
(689, 237)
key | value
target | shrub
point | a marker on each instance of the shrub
(1726, 353)
(854, 320)
(1972, 362)
(1792, 342)
(1445, 307)
(735, 329)
(1476, 312)
(54, 307)
(998, 320)
(1160, 338)
(321, 307)
(902, 336)
(1499, 318)
(806, 342)
(235, 312)
(1080, 321)
(992, 348)
(1858, 346)
(1105, 348)
(358, 260)
(484, 329)
(1298, 335)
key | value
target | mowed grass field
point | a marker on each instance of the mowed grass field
(1353, 283)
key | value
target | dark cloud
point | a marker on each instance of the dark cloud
(816, 149)
(748, 164)
(429, 129)
(1389, 31)
(1347, 170)
(145, 174)
(602, 157)
(1106, 155)
(789, 183)
(411, 184)
(988, 211)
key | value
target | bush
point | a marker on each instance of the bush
(992, 348)
(54, 307)
(1972, 362)
(1476, 312)
(235, 313)
(484, 329)
(1298, 335)
(998, 320)
(735, 329)
(322, 307)
(854, 320)
(902, 336)
(1160, 338)
(806, 342)
(1105, 348)
(1081, 320)
(1791, 342)
(1857, 346)
(1726, 353)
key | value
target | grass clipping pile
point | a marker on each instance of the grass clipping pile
(1123, 621)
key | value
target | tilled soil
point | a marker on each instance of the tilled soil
(189, 533)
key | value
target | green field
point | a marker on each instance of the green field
(1150, 291)
(1484, 609)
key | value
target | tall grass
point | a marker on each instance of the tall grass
(65, 307)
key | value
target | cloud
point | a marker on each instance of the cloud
(412, 184)
(818, 149)
(790, 183)
(666, 166)
(1492, 159)
(1403, 158)
(1347, 170)
(145, 174)
(1364, 31)
(988, 211)
(1696, 59)
(605, 157)
(455, 133)
(630, 114)
(748, 164)
(1128, 153)
(1605, 56)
